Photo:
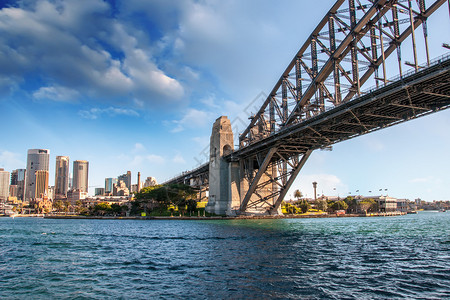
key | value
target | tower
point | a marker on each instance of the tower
(4, 185)
(61, 177)
(139, 182)
(80, 175)
(37, 160)
(222, 181)
(315, 190)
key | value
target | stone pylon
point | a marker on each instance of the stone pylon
(223, 175)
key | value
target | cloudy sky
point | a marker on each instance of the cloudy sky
(136, 85)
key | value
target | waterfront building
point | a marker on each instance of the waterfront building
(80, 175)
(109, 185)
(126, 178)
(150, 181)
(4, 185)
(37, 160)
(18, 178)
(41, 184)
(99, 191)
(61, 177)
(120, 189)
(74, 195)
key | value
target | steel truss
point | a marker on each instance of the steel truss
(319, 99)
(349, 48)
(279, 168)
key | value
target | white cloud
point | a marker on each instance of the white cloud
(95, 113)
(138, 147)
(57, 93)
(70, 44)
(178, 159)
(193, 118)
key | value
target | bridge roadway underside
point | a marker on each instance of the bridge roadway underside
(422, 93)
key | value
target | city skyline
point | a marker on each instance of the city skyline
(148, 81)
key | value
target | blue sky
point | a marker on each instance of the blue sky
(136, 85)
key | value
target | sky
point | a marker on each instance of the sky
(136, 85)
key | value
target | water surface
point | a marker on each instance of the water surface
(338, 258)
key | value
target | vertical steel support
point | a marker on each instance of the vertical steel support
(272, 115)
(396, 36)
(298, 81)
(337, 84)
(373, 46)
(315, 66)
(289, 183)
(380, 26)
(255, 181)
(284, 103)
(411, 21)
(354, 52)
(424, 28)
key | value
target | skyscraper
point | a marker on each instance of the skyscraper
(126, 178)
(37, 160)
(18, 178)
(41, 189)
(4, 185)
(80, 175)
(109, 185)
(61, 177)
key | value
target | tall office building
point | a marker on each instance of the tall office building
(41, 184)
(61, 177)
(126, 178)
(109, 185)
(4, 185)
(80, 175)
(18, 178)
(37, 160)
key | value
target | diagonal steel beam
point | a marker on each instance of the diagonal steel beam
(261, 171)
(289, 183)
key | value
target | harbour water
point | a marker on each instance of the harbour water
(332, 258)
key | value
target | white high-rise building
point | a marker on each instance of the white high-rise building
(4, 185)
(61, 177)
(80, 175)
(37, 160)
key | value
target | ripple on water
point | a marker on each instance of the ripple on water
(343, 258)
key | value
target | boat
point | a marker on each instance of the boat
(442, 210)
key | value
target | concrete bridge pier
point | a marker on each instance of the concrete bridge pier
(224, 179)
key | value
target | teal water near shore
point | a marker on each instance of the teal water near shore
(331, 258)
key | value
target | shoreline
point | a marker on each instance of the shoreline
(311, 216)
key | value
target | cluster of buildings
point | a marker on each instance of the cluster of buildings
(30, 187)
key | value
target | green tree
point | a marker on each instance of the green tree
(338, 205)
(166, 195)
(298, 194)
(352, 204)
(304, 205)
(368, 204)
(321, 204)
(101, 208)
(58, 205)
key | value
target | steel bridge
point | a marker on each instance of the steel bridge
(319, 99)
